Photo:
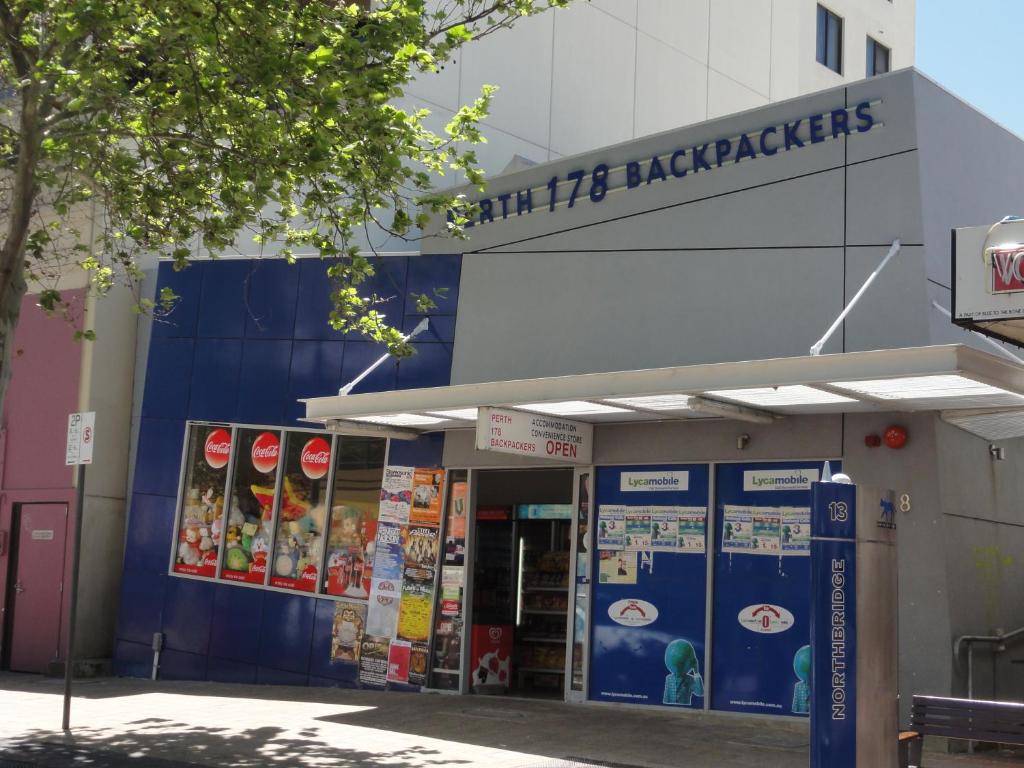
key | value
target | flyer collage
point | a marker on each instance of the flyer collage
(405, 561)
(623, 531)
(779, 531)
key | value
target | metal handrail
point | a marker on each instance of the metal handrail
(997, 640)
(969, 640)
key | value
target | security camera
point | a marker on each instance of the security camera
(997, 452)
(741, 441)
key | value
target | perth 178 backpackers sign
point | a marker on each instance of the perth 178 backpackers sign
(988, 279)
(536, 435)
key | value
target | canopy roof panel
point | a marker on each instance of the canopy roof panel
(935, 378)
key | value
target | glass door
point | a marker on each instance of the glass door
(576, 656)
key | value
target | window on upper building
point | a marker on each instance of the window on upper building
(878, 58)
(830, 40)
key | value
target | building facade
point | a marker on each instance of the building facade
(664, 291)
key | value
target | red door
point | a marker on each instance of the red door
(38, 581)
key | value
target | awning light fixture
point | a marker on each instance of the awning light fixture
(774, 397)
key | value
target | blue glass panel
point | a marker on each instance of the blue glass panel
(331, 682)
(287, 629)
(187, 286)
(315, 372)
(227, 671)
(314, 304)
(388, 284)
(263, 382)
(168, 373)
(222, 309)
(188, 604)
(428, 273)
(178, 665)
(272, 293)
(158, 459)
(142, 597)
(235, 629)
(150, 532)
(215, 374)
(360, 355)
(431, 366)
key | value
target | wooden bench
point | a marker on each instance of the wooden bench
(966, 719)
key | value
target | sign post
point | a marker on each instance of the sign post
(81, 438)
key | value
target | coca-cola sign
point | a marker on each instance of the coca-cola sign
(266, 450)
(316, 458)
(218, 448)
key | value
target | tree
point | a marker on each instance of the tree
(172, 126)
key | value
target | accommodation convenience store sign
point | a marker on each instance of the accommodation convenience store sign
(536, 435)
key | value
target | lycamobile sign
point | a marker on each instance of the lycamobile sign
(654, 481)
(779, 479)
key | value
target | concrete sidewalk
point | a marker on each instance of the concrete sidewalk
(125, 722)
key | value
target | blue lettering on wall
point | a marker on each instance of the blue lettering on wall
(603, 179)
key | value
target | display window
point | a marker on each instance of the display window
(254, 487)
(198, 541)
(354, 505)
(301, 512)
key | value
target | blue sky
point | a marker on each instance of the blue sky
(974, 50)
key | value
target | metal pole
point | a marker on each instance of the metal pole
(68, 660)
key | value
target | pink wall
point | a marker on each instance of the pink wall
(44, 389)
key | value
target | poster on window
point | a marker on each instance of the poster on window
(302, 512)
(420, 549)
(638, 528)
(455, 525)
(692, 529)
(347, 631)
(766, 535)
(200, 534)
(373, 661)
(355, 501)
(396, 495)
(616, 567)
(426, 497)
(382, 610)
(398, 661)
(414, 613)
(253, 495)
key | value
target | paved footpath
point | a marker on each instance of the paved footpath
(124, 722)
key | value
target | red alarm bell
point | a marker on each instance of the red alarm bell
(895, 436)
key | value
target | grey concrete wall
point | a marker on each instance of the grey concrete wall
(749, 261)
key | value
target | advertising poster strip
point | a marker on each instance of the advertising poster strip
(199, 536)
(389, 559)
(692, 529)
(616, 567)
(398, 661)
(426, 497)
(347, 631)
(796, 531)
(737, 529)
(373, 661)
(765, 531)
(418, 658)
(396, 495)
(664, 529)
(382, 611)
(638, 528)
(611, 527)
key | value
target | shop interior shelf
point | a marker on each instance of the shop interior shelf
(528, 588)
(541, 670)
(542, 639)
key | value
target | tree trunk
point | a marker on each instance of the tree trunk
(10, 310)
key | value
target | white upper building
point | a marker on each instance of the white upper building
(607, 71)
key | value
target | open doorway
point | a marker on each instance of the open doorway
(521, 581)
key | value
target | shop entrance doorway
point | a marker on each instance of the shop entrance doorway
(521, 576)
(35, 585)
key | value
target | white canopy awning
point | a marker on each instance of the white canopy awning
(971, 385)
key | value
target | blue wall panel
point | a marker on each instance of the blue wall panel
(222, 306)
(263, 381)
(150, 530)
(647, 642)
(247, 338)
(167, 378)
(187, 286)
(754, 671)
(158, 457)
(270, 299)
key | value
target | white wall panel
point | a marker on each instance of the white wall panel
(671, 87)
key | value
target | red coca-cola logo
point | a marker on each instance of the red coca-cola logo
(218, 448)
(266, 450)
(209, 560)
(309, 573)
(316, 457)
(258, 566)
